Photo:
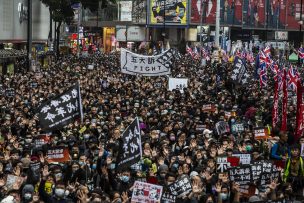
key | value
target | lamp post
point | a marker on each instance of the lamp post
(29, 34)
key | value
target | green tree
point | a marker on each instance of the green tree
(60, 12)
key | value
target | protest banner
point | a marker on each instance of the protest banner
(260, 133)
(242, 176)
(244, 158)
(178, 83)
(58, 154)
(130, 146)
(13, 182)
(61, 110)
(222, 127)
(41, 140)
(223, 163)
(209, 108)
(145, 192)
(10, 92)
(256, 169)
(181, 187)
(135, 64)
(239, 74)
(35, 169)
(168, 198)
(237, 128)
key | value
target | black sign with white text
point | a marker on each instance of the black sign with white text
(61, 110)
(130, 146)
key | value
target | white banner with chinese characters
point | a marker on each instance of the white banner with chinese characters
(136, 64)
(178, 83)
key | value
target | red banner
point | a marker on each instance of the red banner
(231, 12)
(196, 11)
(283, 10)
(275, 113)
(293, 14)
(285, 98)
(210, 12)
(299, 122)
(254, 13)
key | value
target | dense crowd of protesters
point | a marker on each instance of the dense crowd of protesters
(173, 144)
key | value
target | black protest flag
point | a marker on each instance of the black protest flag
(61, 110)
(130, 150)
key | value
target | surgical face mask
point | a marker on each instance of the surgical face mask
(162, 175)
(172, 137)
(81, 163)
(233, 120)
(66, 193)
(124, 179)
(248, 148)
(94, 166)
(148, 114)
(27, 196)
(224, 196)
(86, 136)
(28, 140)
(59, 192)
(58, 175)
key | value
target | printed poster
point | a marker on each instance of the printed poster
(58, 154)
(174, 11)
(254, 14)
(293, 14)
(178, 83)
(145, 192)
(231, 12)
(209, 17)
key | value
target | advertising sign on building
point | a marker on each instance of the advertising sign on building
(254, 13)
(135, 33)
(125, 10)
(175, 12)
(231, 12)
(139, 12)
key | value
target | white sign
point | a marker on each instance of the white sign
(280, 35)
(136, 64)
(302, 150)
(178, 83)
(136, 34)
(145, 192)
(121, 33)
(244, 158)
(126, 10)
(90, 67)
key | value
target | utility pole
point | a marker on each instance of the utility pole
(78, 31)
(217, 24)
(201, 22)
(301, 23)
(29, 34)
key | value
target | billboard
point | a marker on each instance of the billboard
(139, 11)
(196, 11)
(254, 13)
(125, 10)
(210, 7)
(169, 12)
(275, 9)
(293, 14)
(231, 12)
